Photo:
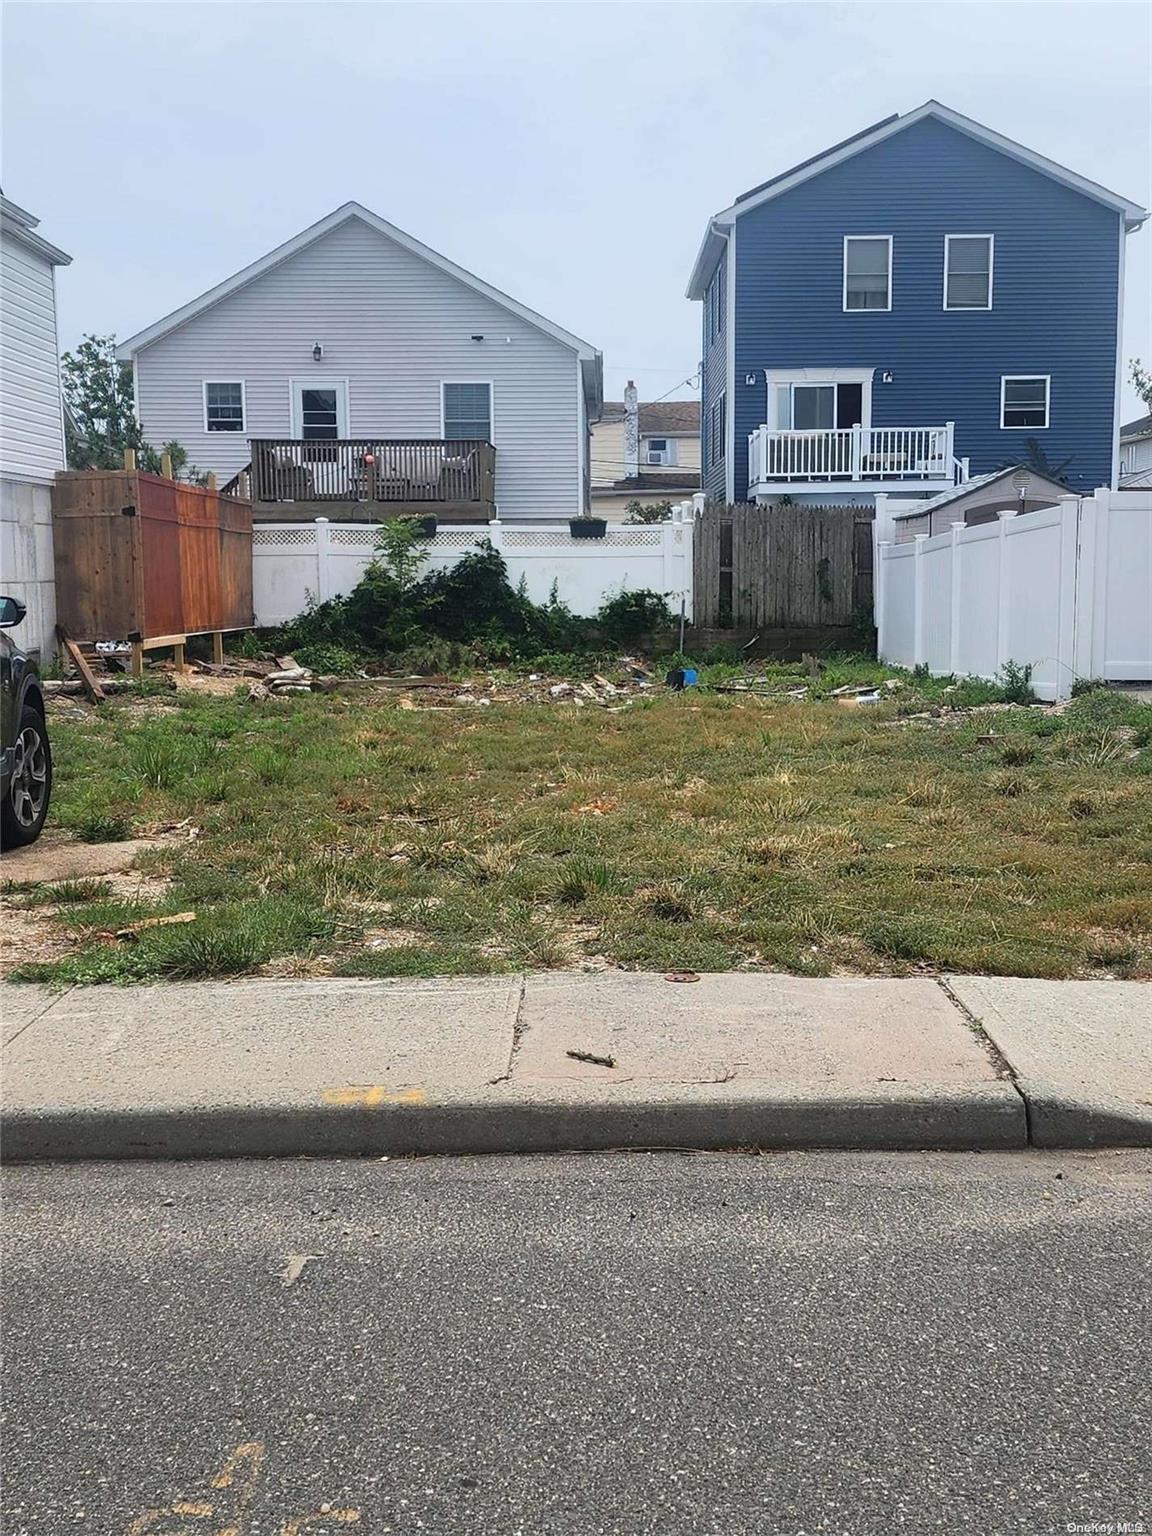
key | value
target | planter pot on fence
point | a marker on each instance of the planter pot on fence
(587, 527)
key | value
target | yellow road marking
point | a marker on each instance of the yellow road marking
(372, 1094)
(299, 1523)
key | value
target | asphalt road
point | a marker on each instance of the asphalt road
(699, 1345)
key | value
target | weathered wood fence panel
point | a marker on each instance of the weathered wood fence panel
(782, 567)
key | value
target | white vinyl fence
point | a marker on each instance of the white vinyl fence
(295, 562)
(1066, 590)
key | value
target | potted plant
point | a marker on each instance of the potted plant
(428, 526)
(587, 527)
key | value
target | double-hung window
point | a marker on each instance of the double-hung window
(467, 412)
(223, 406)
(660, 450)
(867, 272)
(1024, 400)
(717, 429)
(968, 271)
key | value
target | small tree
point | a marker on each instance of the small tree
(402, 552)
(100, 421)
(1141, 382)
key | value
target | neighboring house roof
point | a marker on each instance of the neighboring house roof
(589, 357)
(1138, 480)
(666, 417)
(815, 165)
(20, 224)
(958, 493)
(1132, 431)
(673, 480)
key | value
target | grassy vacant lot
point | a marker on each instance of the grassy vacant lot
(352, 836)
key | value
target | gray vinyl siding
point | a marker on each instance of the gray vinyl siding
(31, 427)
(394, 326)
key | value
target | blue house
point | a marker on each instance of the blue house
(924, 302)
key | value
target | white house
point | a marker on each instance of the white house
(31, 420)
(355, 366)
(1136, 454)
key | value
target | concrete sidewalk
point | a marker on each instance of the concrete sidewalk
(255, 1068)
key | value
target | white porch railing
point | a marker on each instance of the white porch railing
(852, 454)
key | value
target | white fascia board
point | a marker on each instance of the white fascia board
(1134, 215)
(22, 233)
(708, 256)
(126, 350)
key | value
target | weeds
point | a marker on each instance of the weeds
(702, 832)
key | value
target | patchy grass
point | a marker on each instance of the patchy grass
(348, 835)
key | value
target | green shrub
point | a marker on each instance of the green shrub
(629, 616)
(1015, 681)
(328, 659)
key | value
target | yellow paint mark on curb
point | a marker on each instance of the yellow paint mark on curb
(372, 1094)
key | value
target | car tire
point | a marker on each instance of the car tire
(25, 805)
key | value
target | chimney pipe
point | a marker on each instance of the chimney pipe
(631, 432)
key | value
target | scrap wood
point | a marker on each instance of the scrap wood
(87, 677)
(135, 929)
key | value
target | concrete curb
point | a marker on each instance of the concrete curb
(985, 1118)
(1057, 1120)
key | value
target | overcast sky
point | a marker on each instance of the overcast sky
(568, 154)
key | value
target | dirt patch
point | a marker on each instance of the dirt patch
(56, 856)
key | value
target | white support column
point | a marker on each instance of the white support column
(956, 596)
(920, 540)
(1003, 588)
(1068, 596)
(879, 583)
(323, 551)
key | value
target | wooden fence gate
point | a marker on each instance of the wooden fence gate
(782, 567)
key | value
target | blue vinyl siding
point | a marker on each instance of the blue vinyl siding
(1055, 298)
(714, 378)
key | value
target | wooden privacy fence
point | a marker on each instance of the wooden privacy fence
(147, 560)
(782, 567)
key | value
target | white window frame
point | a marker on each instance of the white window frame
(970, 309)
(844, 284)
(1009, 378)
(491, 406)
(296, 412)
(788, 378)
(668, 456)
(204, 383)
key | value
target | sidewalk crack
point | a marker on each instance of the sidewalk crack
(517, 1034)
(1003, 1067)
(36, 1017)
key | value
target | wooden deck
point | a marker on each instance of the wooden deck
(370, 479)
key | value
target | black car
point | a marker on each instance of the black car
(26, 759)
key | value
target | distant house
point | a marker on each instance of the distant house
(31, 420)
(908, 308)
(645, 453)
(1136, 454)
(354, 372)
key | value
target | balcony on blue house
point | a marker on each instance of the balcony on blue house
(857, 459)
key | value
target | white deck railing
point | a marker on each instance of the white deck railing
(853, 453)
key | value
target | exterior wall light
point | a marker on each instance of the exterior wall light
(317, 352)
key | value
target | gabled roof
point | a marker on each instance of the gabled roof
(21, 224)
(718, 227)
(128, 349)
(662, 416)
(955, 493)
(1141, 427)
